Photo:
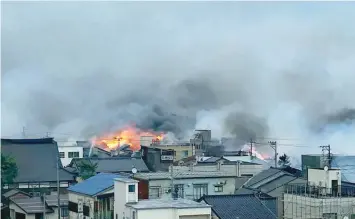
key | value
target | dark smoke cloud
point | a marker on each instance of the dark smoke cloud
(176, 66)
(245, 127)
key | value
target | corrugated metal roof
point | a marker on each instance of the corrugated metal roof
(242, 206)
(167, 203)
(95, 184)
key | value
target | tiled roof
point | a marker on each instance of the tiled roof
(95, 184)
(31, 205)
(52, 200)
(13, 192)
(242, 206)
(183, 175)
(115, 164)
(36, 159)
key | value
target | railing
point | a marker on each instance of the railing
(318, 191)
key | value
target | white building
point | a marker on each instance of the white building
(190, 185)
(324, 196)
(127, 206)
(68, 152)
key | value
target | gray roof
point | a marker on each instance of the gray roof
(52, 200)
(115, 164)
(36, 159)
(183, 175)
(270, 181)
(167, 203)
(126, 180)
(242, 206)
(13, 192)
(31, 205)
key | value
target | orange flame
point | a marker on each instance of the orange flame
(130, 135)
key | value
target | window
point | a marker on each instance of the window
(131, 188)
(179, 190)
(61, 154)
(154, 192)
(64, 212)
(185, 153)
(199, 190)
(218, 188)
(72, 206)
(73, 154)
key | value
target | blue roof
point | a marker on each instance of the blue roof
(95, 184)
(242, 206)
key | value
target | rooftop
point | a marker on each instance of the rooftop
(95, 184)
(183, 175)
(114, 164)
(167, 203)
(36, 159)
(32, 205)
(242, 206)
(126, 180)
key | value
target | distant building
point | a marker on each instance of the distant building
(324, 195)
(180, 151)
(201, 141)
(68, 152)
(344, 162)
(157, 159)
(111, 164)
(190, 185)
(127, 205)
(37, 161)
(252, 206)
(93, 198)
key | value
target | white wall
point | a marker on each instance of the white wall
(305, 207)
(172, 213)
(228, 188)
(87, 200)
(66, 149)
(315, 176)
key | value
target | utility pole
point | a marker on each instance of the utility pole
(23, 132)
(327, 159)
(172, 181)
(251, 148)
(44, 205)
(273, 145)
(58, 193)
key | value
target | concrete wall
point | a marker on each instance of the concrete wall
(320, 177)
(66, 149)
(164, 186)
(305, 207)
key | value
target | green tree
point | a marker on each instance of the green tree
(86, 169)
(9, 169)
(284, 160)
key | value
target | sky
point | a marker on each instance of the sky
(243, 69)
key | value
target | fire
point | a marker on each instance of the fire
(129, 135)
(254, 152)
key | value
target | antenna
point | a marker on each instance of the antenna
(23, 131)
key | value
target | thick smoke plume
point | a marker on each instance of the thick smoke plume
(243, 70)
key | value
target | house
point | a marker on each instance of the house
(111, 164)
(15, 193)
(324, 195)
(37, 161)
(34, 207)
(190, 185)
(157, 159)
(180, 150)
(128, 206)
(255, 206)
(93, 197)
(68, 152)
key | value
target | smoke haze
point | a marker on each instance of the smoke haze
(242, 69)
